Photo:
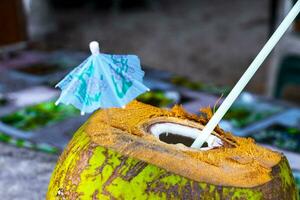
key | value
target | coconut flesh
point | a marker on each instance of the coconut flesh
(172, 133)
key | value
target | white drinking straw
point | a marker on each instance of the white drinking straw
(240, 85)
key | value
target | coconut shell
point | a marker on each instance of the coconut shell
(114, 156)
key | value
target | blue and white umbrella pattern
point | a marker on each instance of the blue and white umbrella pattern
(102, 81)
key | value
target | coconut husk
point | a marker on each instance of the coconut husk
(117, 157)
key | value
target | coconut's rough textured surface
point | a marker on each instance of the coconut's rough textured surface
(113, 156)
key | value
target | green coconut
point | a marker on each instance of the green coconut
(141, 152)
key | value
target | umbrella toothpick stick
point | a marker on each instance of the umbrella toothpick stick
(240, 85)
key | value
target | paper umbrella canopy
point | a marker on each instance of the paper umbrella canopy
(102, 81)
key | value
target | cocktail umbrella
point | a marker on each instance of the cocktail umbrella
(102, 81)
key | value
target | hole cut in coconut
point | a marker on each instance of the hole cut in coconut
(171, 138)
(172, 133)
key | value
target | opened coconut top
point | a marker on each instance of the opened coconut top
(162, 137)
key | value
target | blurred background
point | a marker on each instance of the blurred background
(193, 52)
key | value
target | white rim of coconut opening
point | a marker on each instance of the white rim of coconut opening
(186, 131)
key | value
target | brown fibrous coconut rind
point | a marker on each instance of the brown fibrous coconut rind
(240, 162)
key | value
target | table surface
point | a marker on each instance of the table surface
(24, 174)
